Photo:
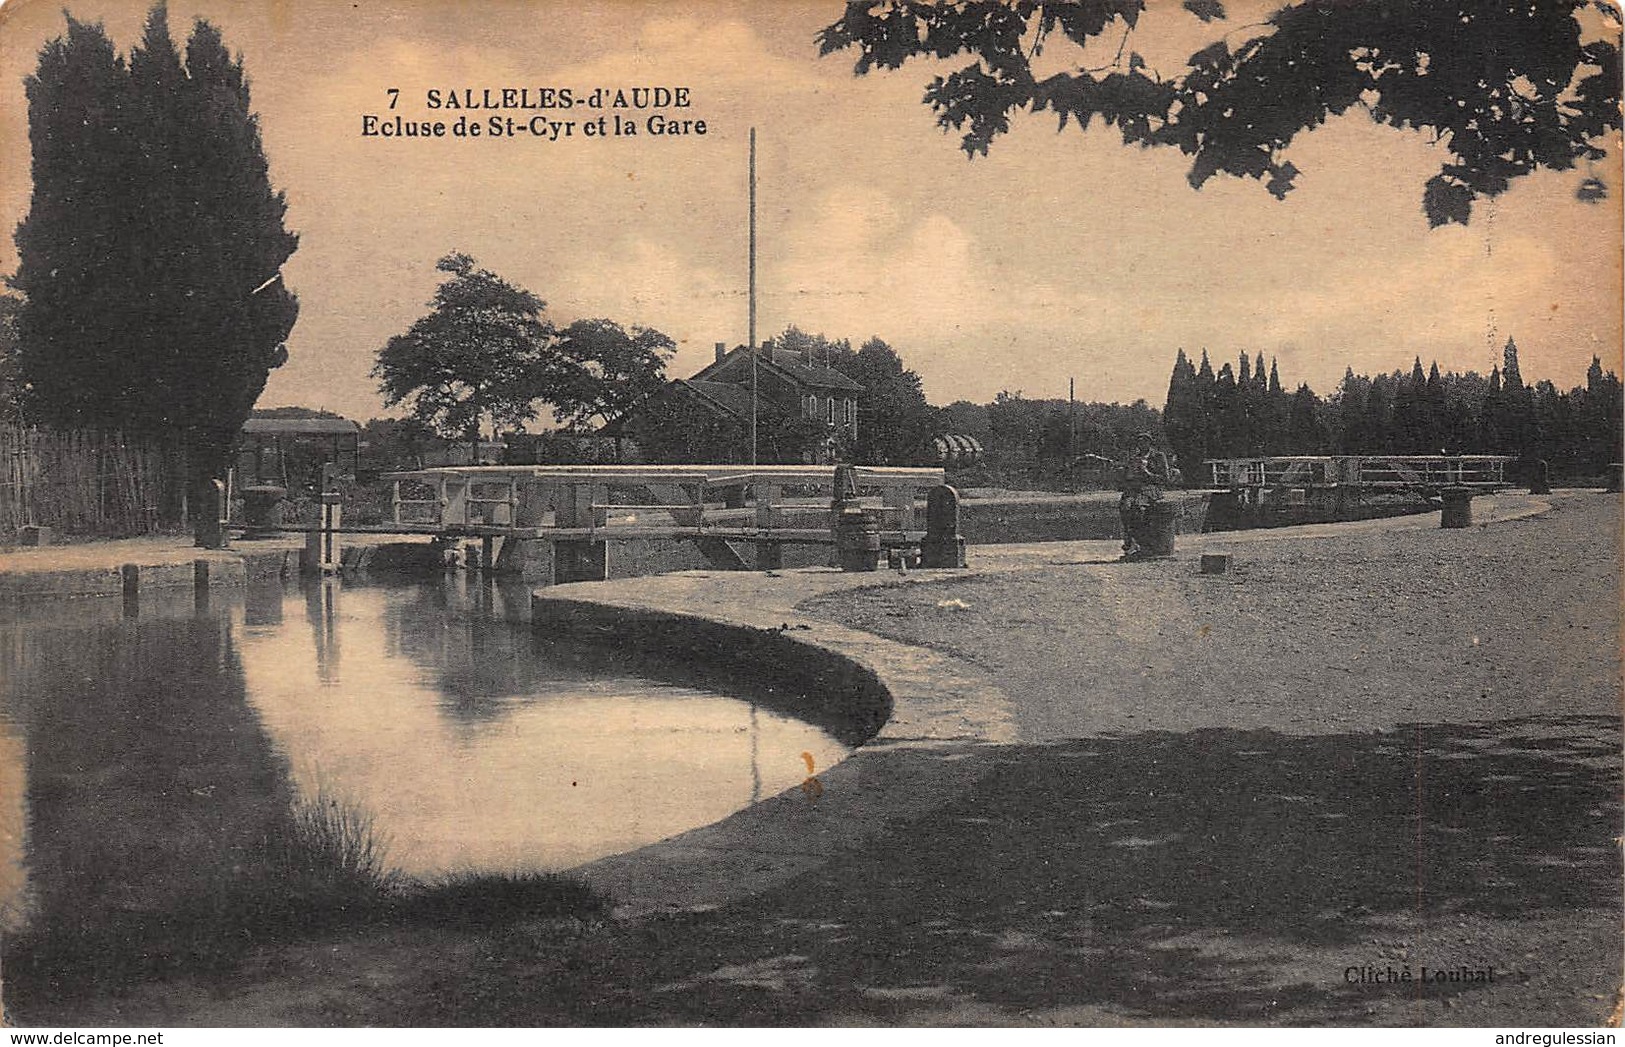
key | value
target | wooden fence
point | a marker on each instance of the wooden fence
(90, 483)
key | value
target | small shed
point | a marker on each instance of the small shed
(290, 452)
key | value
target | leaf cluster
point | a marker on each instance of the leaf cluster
(1505, 86)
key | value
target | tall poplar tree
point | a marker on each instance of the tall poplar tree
(71, 265)
(151, 256)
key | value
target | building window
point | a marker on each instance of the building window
(849, 410)
(831, 411)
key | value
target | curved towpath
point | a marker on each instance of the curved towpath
(944, 701)
(1154, 796)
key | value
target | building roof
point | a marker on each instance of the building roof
(301, 426)
(735, 399)
(816, 376)
(723, 398)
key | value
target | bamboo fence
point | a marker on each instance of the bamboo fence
(87, 483)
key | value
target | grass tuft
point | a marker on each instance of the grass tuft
(484, 899)
(332, 850)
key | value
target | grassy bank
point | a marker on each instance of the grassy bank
(320, 870)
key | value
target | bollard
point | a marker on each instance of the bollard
(1540, 477)
(846, 523)
(1458, 507)
(1158, 525)
(942, 546)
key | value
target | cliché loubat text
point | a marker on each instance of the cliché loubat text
(1366, 974)
(542, 114)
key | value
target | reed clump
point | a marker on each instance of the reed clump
(329, 854)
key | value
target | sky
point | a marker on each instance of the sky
(1056, 257)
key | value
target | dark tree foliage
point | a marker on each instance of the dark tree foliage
(608, 371)
(483, 352)
(1184, 415)
(71, 245)
(1306, 433)
(1504, 86)
(395, 443)
(894, 420)
(1404, 412)
(670, 432)
(1055, 443)
(151, 255)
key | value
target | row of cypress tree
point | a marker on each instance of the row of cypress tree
(1244, 411)
(151, 256)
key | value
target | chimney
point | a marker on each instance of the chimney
(722, 350)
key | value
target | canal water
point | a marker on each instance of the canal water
(144, 759)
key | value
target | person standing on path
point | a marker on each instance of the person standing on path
(1144, 474)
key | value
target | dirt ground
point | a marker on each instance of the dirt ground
(1256, 798)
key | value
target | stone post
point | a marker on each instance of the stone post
(1458, 507)
(942, 546)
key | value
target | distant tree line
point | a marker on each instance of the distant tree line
(1047, 444)
(1025, 442)
(1245, 411)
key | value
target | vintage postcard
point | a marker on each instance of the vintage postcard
(518, 513)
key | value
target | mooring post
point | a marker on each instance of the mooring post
(943, 546)
(856, 532)
(1540, 477)
(1458, 507)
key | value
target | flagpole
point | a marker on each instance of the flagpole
(751, 344)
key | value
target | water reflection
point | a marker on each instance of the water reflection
(146, 761)
(424, 705)
(139, 775)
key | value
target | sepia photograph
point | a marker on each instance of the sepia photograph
(525, 514)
